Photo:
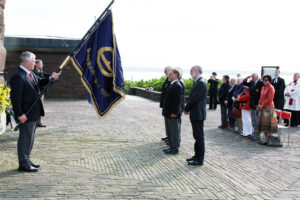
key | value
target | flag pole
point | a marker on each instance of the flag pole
(87, 34)
(65, 62)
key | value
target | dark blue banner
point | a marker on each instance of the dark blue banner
(98, 62)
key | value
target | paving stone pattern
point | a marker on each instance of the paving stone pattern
(121, 157)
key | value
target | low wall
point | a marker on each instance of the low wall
(148, 94)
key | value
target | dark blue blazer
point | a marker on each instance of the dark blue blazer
(172, 100)
(23, 93)
(223, 92)
(196, 104)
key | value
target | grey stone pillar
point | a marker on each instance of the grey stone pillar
(2, 48)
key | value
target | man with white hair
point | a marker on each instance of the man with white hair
(255, 85)
(165, 85)
(24, 90)
(292, 100)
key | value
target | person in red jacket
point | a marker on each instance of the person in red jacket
(244, 100)
(267, 117)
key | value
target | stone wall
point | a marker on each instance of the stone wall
(2, 48)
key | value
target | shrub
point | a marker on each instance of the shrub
(156, 84)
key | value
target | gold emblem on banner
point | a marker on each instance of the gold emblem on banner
(101, 57)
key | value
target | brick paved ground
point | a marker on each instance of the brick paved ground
(121, 157)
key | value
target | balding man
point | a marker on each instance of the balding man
(255, 85)
(196, 108)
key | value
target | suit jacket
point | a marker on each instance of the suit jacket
(182, 94)
(41, 75)
(163, 90)
(196, 104)
(279, 87)
(255, 91)
(23, 93)
(172, 100)
(223, 92)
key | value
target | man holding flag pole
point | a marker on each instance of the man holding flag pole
(97, 60)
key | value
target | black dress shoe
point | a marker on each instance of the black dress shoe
(164, 150)
(34, 165)
(221, 127)
(171, 151)
(165, 138)
(262, 143)
(27, 169)
(190, 159)
(195, 162)
(41, 125)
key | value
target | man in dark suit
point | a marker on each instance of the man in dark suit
(172, 112)
(24, 90)
(165, 85)
(279, 86)
(38, 71)
(223, 92)
(255, 85)
(229, 104)
(213, 91)
(196, 108)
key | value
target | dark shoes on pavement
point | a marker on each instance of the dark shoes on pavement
(165, 138)
(34, 165)
(41, 125)
(29, 167)
(194, 161)
(171, 151)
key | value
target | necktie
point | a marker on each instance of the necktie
(31, 77)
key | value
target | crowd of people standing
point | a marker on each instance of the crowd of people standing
(248, 107)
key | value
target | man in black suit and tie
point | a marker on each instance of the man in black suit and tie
(196, 108)
(279, 86)
(24, 90)
(38, 71)
(172, 111)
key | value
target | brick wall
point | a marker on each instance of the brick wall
(68, 86)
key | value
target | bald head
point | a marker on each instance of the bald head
(254, 77)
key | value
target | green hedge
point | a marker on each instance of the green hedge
(157, 83)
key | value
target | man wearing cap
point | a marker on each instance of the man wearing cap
(213, 91)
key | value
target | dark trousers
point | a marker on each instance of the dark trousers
(25, 142)
(173, 127)
(198, 134)
(213, 100)
(231, 117)
(224, 114)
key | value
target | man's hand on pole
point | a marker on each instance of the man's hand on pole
(55, 75)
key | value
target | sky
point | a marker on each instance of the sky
(215, 34)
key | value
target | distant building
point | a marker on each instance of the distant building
(52, 51)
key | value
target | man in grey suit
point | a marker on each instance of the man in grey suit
(196, 108)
